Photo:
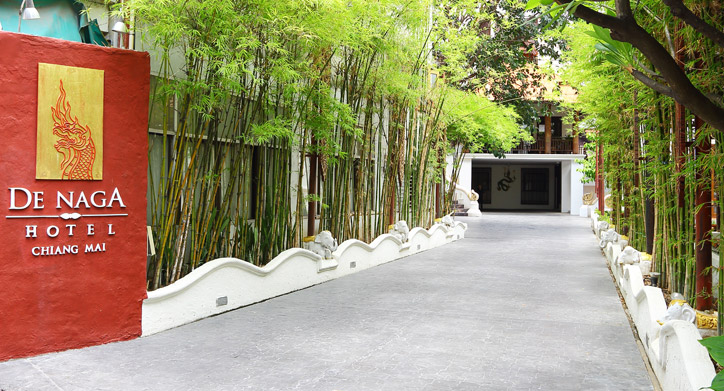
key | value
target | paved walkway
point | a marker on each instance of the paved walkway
(525, 302)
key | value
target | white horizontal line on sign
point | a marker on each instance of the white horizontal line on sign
(67, 217)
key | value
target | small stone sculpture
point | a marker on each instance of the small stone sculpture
(629, 256)
(323, 245)
(448, 221)
(679, 309)
(602, 226)
(623, 241)
(401, 231)
(609, 236)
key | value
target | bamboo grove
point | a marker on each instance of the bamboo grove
(655, 154)
(252, 98)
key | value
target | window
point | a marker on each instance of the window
(534, 186)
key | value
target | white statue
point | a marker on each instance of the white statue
(448, 221)
(629, 256)
(323, 245)
(474, 210)
(602, 225)
(589, 199)
(609, 236)
(679, 309)
(400, 230)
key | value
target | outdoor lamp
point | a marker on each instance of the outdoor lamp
(120, 27)
(27, 11)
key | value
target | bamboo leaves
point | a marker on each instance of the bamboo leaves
(257, 95)
(616, 52)
(259, 81)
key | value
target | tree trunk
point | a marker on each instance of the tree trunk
(624, 27)
(600, 191)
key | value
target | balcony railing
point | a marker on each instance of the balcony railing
(561, 145)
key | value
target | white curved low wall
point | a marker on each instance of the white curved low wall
(228, 283)
(679, 361)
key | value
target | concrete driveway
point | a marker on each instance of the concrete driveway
(524, 302)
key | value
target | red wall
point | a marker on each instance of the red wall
(51, 303)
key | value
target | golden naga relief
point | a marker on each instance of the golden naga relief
(588, 199)
(70, 123)
(75, 143)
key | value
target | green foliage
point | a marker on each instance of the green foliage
(588, 164)
(480, 124)
(633, 125)
(555, 10)
(249, 91)
(619, 53)
(488, 48)
(715, 346)
(700, 56)
(605, 216)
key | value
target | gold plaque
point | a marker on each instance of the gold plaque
(70, 123)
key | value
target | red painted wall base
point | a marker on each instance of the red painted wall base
(66, 287)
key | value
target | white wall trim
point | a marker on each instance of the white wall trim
(679, 361)
(225, 284)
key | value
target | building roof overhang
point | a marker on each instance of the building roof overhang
(489, 158)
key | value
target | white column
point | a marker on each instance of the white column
(448, 166)
(465, 178)
(566, 186)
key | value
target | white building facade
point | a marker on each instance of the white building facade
(540, 182)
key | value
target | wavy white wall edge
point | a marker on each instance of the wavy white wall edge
(203, 292)
(679, 361)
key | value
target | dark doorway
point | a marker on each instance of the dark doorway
(481, 184)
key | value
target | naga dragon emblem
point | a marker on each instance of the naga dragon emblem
(504, 184)
(75, 143)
